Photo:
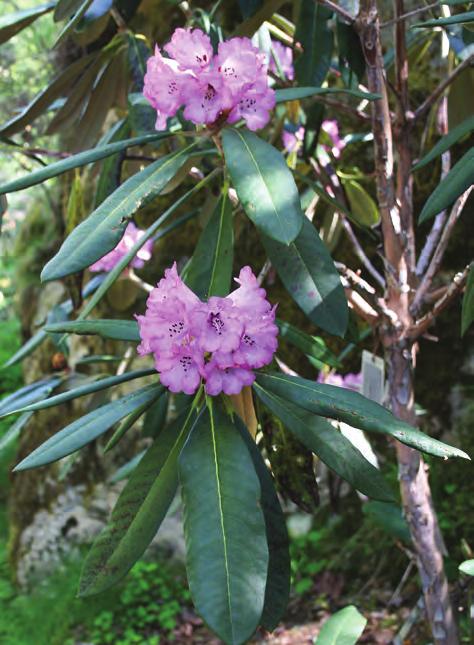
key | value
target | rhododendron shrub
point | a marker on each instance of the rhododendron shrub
(218, 153)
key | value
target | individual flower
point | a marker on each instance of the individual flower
(163, 87)
(206, 97)
(331, 128)
(131, 236)
(220, 341)
(240, 64)
(254, 106)
(293, 139)
(191, 49)
(285, 59)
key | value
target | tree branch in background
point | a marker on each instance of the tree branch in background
(405, 16)
(337, 9)
(452, 292)
(434, 96)
(437, 258)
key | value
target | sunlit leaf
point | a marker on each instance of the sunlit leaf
(12, 23)
(343, 628)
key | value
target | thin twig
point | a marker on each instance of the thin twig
(440, 219)
(408, 15)
(456, 286)
(337, 9)
(434, 96)
(437, 258)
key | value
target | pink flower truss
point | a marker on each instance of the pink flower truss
(231, 85)
(331, 128)
(285, 58)
(220, 341)
(349, 381)
(131, 236)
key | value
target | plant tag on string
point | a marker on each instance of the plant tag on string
(373, 377)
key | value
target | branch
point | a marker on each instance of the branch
(437, 258)
(337, 9)
(404, 16)
(442, 86)
(440, 219)
(457, 285)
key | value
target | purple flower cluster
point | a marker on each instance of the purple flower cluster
(131, 236)
(229, 86)
(221, 340)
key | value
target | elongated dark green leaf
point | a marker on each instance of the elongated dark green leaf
(317, 40)
(390, 518)
(139, 511)
(354, 409)
(251, 25)
(14, 431)
(310, 277)
(46, 97)
(87, 428)
(351, 56)
(458, 179)
(110, 174)
(72, 22)
(104, 228)
(83, 390)
(311, 345)
(12, 23)
(27, 395)
(264, 184)
(37, 339)
(115, 329)
(277, 590)
(65, 9)
(224, 528)
(3, 209)
(343, 628)
(76, 161)
(331, 446)
(467, 16)
(298, 93)
(126, 424)
(210, 270)
(447, 141)
(249, 7)
(138, 53)
(467, 315)
(97, 9)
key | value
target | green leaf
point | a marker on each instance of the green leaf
(343, 628)
(317, 40)
(458, 18)
(110, 174)
(126, 424)
(467, 315)
(27, 395)
(354, 409)
(467, 567)
(249, 7)
(46, 97)
(83, 390)
(390, 518)
(458, 179)
(104, 228)
(446, 142)
(277, 589)
(14, 430)
(116, 329)
(351, 55)
(76, 161)
(264, 184)
(330, 445)
(251, 25)
(139, 511)
(363, 208)
(3, 209)
(138, 53)
(129, 466)
(12, 23)
(310, 277)
(87, 428)
(73, 21)
(210, 270)
(313, 346)
(65, 9)
(298, 93)
(224, 528)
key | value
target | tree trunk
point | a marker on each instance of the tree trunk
(418, 505)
